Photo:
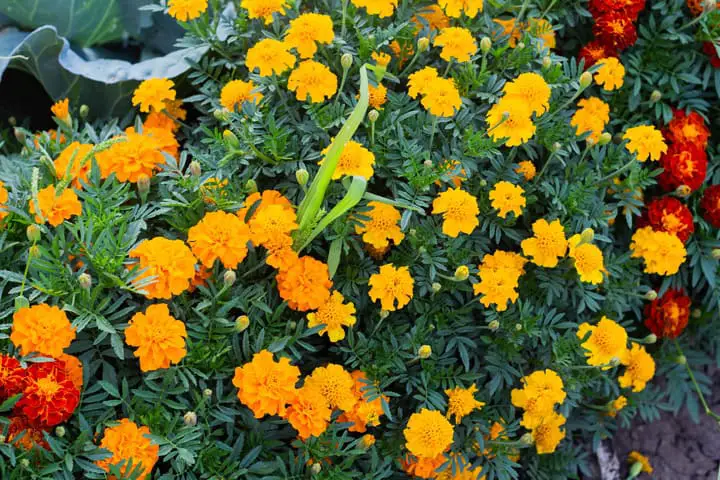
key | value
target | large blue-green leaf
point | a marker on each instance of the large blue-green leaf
(104, 85)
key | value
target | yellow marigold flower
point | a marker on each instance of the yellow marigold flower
(366, 412)
(153, 93)
(54, 208)
(74, 162)
(237, 92)
(640, 368)
(392, 286)
(4, 196)
(128, 442)
(305, 284)
(185, 10)
(418, 82)
(547, 435)
(135, 157)
(428, 434)
(459, 210)
(213, 189)
(646, 142)
(355, 160)
(312, 79)
(170, 263)
(378, 95)
(433, 16)
(159, 336)
(441, 97)
(462, 402)
(663, 252)
(367, 440)
(457, 43)
(270, 57)
(592, 116)
(219, 236)
(530, 89)
(381, 8)
(266, 386)
(308, 413)
(334, 314)
(616, 405)
(510, 119)
(464, 472)
(588, 260)
(455, 8)
(43, 329)
(527, 169)
(611, 74)
(506, 198)
(264, 9)
(547, 245)
(61, 109)
(381, 59)
(383, 226)
(541, 391)
(607, 342)
(335, 384)
(499, 276)
(637, 457)
(307, 30)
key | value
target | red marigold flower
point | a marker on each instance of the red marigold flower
(12, 377)
(710, 204)
(631, 8)
(683, 164)
(668, 315)
(615, 29)
(22, 434)
(668, 214)
(684, 128)
(711, 51)
(594, 51)
(49, 397)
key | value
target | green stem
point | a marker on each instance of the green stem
(542, 172)
(344, 14)
(704, 403)
(447, 69)
(522, 11)
(618, 171)
(432, 136)
(545, 12)
(342, 84)
(27, 269)
(411, 63)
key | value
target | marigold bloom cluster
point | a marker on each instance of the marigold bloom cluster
(186, 10)
(49, 396)
(511, 117)
(367, 410)
(668, 214)
(153, 93)
(74, 163)
(663, 252)
(439, 96)
(685, 163)
(457, 8)
(134, 157)
(457, 44)
(462, 402)
(541, 391)
(269, 56)
(499, 278)
(264, 9)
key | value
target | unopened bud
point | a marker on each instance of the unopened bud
(207, 393)
(231, 139)
(292, 324)
(316, 467)
(221, 115)
(251, 186)
(585, 80)
(681, 360)
(462, 273)
(505, 115)
(19, 135)
(21, 302)
(373, 115)
(424, 351)
(650, 339)
(485, 44)
(428, 163)
(423, 44)
(25, 463)
(422, 250)
(242, 323)
(190, 419)
(716, 253)
(709, 5)
(2, 438)
(520, 45)
(84, 111)
(483, 182)
(33, 233)
(556, 147)
(527, 439)
(651, 295)
(590, 141)
(195, 168)
(384, 314)
(412, 232)
(696, 313)
(85, 281)
(34, 251)
(547, 62)
(655, 96)
(494, 325)
(605, 138)
(367, 441)
(587, 235)
(60, 431)
(346, 60)
(302, 176)
(518, 326)
(683, 191)
(229, 278)
(436, 287)
(143, 184)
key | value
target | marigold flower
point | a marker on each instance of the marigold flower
(381, 59)
(43, 329)
(683, 164)
(381, 8)
(55, 209)
(611, 73)
(542, 29)
(616, 29)
(186, 10)
(527, 169)
(668, 214)
(335, 384)
(455, 8)
(462, 402)
(74, 163)
(23, 435)
(452, 169)
(547, 245)
(137, 156)
(640, 368)
(687, 128)
(422, 467)
(307, 30)
(637, 457)
(587, 258)
(159, 336)
(366, 412)
(334, 314)
(592, 116)
(631, 8)
(266, 386)
(459, 210)
(4, 196)
(595, 51)
(710, 205)
(61, 110)
(392, 286)
(616, 405)
(378, 96)
(510, 119)
(219, 236)
(355, 160)
(73, 369)
(457, 43)
(269, 56)
(441, 97)
(162, 139)
(428, 434)
(462, 472)
(128, 442)
(547, 435)
(541, 391)
(499, 277)
(382, 227)
(432, 16)
(237, 92)
(663, 252)
(312, 79)
(308, 413)
(170, 263)
(152, 94)
(667, 316)
(418, 81)
(12, 377)
(305, 284)
(530, 89)
(49, 397)
(264, 9)
(510, 28)
(506, 198)
(168, 118)
(646, 142)
(606, 344)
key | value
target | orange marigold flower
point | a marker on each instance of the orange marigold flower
(355, 160)
(152, 94)
(392, 286)
(382, 226)
(202, 273)
(271, 226)
(169, 118)
(462, 402)
(312, 80)
(510, 28)
(219, 236)
(428, 434)
(74, 162)
(422, 467)
(459, 210)
(186, 10)
(282, 258)
(668, 214)
(667, 316)
(366, 412)
(640, 368)
(457, 43)
(12, 377)
(159, 336)
(307, 30)
(133, 157)
(264, 8)
(54, 208)
(163, 139)
(441, 97)
(237, 92)
(663, 252)
(4, 196)
(378, 96)
(305, 284)
(308, 413)
(73, 369)
(334, 314)
(270, 57)
(335, 384)
(170, 263)
(499, 278)
(23, 435)
(61, 110)
(687, 128)
(381, 59)
(432, 16)
(49, 397)
(593, 52)
(683, 164)
(266, 386)
(527, 169)
(506, 198)
(418, 81)
(615, 29)
(128, 442)
(42, 329)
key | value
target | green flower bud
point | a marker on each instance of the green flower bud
(650, 339)
(681, 360)
(547, 62)
(651, 295)
(315, 469)
(251, 186)
(242, 323)
(585, 80)
(696, 313)
(716, 253)
(190, 419)
(518, 327)
(423, 44)
(229, 278)
(527, 439)
(21, 302)
(373, 115)
(605, 138)
(683, 191)
(587, 235)
(384, 314)
(12, 121)
(655, 96)
(33, 233)
(60, 431)
(143, 184)
(19, 135)
(494, 325)
(436, 287)
(207, 393)
(485, 44)
(25, 463)
(462, 273)
(221, 115)
(520, 45)
(302, 176)
(195, 168)
(231, 139)
(84, 111)
(346, 60)
(635, 470)
(85, 281)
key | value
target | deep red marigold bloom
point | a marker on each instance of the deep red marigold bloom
(711, 51)
(668, 315)
(684, 128)
(12, 377)
(668, 214)
(683, 164)
(615, 29)
(594, 51)
(631, 8)
(22, 434)
(49, 397)
(710, 204)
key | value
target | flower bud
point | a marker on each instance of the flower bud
(384, 314)
(527, 439)
(34, 251)
(556, 147)
(412, 232)
(195, 168)
(716, 253)
(518, 327)
(547, 62)
(302, 176)
(373, 115)
(424, 351)
(585, 80)
(229, 278)
(422, 250)
(485, 44)
(143, 184)
(681, 360)
(346, 60)
(483, 182)
(696, 313)
(85, 281)
(231, 139)
(605, 138)
(651, 295)
(33, 233)
(221, 115)
(21, 302)
(251, 186)
(19, 135)
(207, 393)
(494, 325)
(60, 431)
(683, 191)
(709, 5)
(242, 323)
(316, 467)
(587, 235)
(436, 287)
(590, 141)
(2, 438)
(520, 45)
(423, 44)
(650, 339)
(25, 463)
(367, 441)
(84, 111)
(190, 419)
(505, 115)
(292, 324)
(635, 470)
(655, 96)
(428, 163)
(462, 273)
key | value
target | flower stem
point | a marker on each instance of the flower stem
(344, 14)
(618, 171)
(432, 136)
(704, 403)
